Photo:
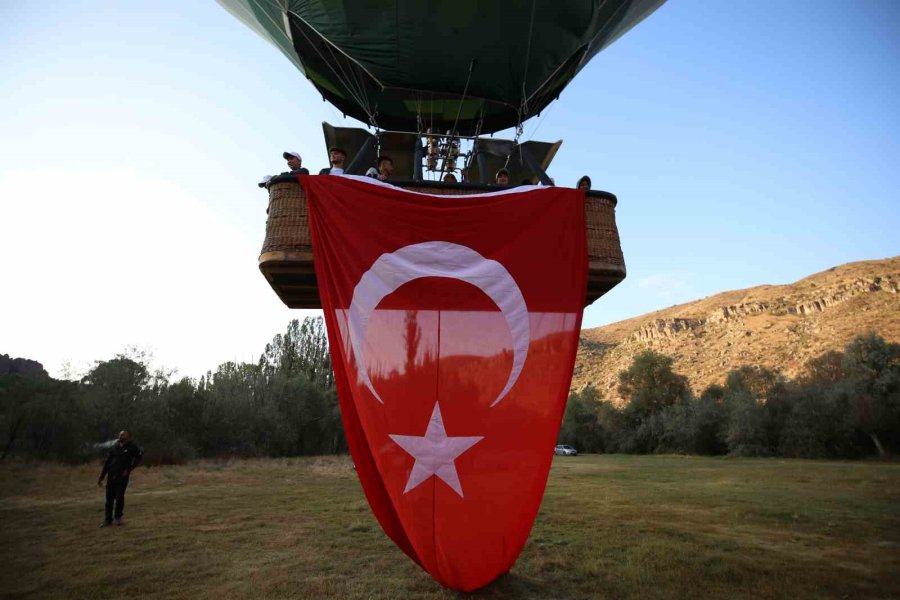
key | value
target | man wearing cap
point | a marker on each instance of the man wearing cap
(502, 177)
(338, 158)
(294, 162)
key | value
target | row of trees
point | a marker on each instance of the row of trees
(845, 405)
(283, 405)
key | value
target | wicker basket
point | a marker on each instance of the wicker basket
(286, 259)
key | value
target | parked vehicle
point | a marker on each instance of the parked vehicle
(564, 450)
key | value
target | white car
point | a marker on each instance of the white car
(564, 450)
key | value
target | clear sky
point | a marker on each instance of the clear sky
(748, 141)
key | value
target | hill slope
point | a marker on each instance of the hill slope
(779, 327)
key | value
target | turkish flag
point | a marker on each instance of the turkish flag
(453, 323)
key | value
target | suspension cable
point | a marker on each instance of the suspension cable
(360, 88)
(524, 108)
(465, 91)
(344, 80)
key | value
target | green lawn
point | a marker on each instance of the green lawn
(609, 527)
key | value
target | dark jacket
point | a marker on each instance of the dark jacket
(121, 458)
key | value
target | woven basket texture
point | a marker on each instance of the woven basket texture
(288, 226)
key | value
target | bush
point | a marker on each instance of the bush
(819, 425)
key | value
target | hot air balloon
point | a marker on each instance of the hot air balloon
(473, 66)
(453, 309)
(425, 76)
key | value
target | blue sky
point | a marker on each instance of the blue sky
(749, 142)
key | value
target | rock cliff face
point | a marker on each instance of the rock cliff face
(22, 366)
(779, 327)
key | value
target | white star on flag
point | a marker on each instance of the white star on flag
(435, 453)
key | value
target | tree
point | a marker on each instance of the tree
(761, 383)
(872, 368)
(819, 425)
(314, 354)
(17, 397)
(235, 403)
(825, 369)
(121, 377)
(676, 428)
(650, 384)
(747, 432)
(41, 417)
(303, 349)
(612, 427)
(710, 422)
(581, 425)
(767, 389)
(113, 388)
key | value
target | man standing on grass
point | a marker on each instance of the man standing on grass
(124, 456)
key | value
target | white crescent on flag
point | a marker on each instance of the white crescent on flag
(439, 259)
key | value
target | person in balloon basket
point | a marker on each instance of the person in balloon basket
(122, 459)
(502, 177)
(584, 183)
(295, 163)
(384, 171)
(338, 159)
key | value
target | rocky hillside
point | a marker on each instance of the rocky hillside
(776, 326)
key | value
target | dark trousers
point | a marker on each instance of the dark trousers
(115, 495)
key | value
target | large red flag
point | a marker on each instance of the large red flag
(453, 323)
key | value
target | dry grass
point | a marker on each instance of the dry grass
(610, 527)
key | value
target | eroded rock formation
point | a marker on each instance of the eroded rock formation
(779, 327)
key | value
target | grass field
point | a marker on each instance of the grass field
(609, 527)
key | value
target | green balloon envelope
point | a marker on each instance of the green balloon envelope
(476, 66)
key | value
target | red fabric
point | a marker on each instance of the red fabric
(437, 352)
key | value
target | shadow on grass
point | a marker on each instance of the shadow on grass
(515, 585)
